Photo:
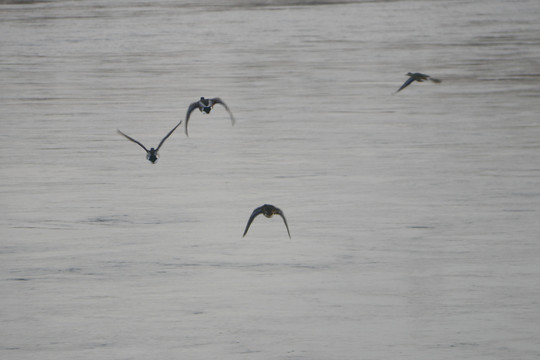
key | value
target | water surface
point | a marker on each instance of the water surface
(414, 216)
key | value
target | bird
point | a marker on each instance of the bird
(206, 105)
(268, 211)
(152, 154)
(418, 77)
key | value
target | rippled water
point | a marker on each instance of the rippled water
(414, 216)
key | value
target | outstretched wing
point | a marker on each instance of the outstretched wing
(166, 136)
(219, 101)
(280, 213)
(132, 139)
(254, 214)
(406, 83)
(190, 109)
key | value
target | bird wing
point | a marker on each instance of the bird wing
(132, 139)
(169, 134)
(406, 83)
(219, 101)
(254, 214)
(280, 213)
(190, 109)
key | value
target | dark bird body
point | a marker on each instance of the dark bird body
(268, 211)
(417, 77)
(152, 154)
(206, 105)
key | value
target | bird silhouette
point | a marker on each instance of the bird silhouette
(206, 105)
(152, 154)
(417, 77)
(268, 211)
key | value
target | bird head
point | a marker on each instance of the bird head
(152, 155)
(267, 210)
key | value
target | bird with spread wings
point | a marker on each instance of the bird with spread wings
(268, 211)
(152, 154)
(417, 77)
(206, 105)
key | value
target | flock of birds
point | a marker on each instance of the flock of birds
(206, 105)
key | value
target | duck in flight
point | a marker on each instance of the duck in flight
(152, 154)
(418, 77)
(268, 211)
(206, 105)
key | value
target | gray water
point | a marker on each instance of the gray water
(414, 216)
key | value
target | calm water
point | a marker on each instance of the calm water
(414, 216)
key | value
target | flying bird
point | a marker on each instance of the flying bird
(418, 77)
(206, 105)
(152, 154)
(268, 211)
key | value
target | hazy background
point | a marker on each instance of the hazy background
(414, 216)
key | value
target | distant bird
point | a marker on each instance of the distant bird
(152, 154)
(268, 211)
(418, 77)
(206, 105)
